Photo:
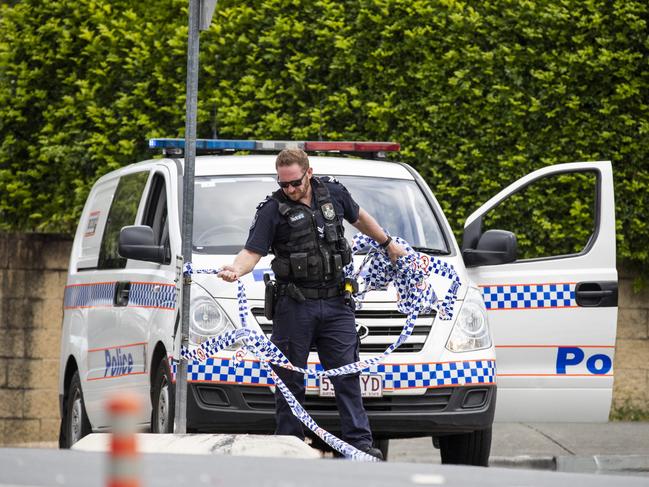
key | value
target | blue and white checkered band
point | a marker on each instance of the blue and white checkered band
(410, 275)
(89, 295)
(529, 296)
(395, 376)
(102, 294)
(151, 294)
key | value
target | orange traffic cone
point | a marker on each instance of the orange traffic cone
(123, 467)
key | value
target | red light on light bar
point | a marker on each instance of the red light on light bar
(351, 146)
(377, 146)
(327, 146)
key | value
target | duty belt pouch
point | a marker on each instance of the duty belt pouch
(299, 265)
(270, 296)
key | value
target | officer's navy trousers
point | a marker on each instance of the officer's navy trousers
(329, 324)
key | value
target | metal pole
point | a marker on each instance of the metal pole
(188, 206)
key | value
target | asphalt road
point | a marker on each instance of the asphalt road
(51, 467)
(610, 448)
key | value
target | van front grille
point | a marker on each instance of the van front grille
(383, 326)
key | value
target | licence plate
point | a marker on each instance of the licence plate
(371, 386)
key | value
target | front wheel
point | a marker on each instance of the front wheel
(467, 448)
(75, 423)
(383, 445)
(162, 397)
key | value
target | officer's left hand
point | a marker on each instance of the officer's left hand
(395, 250)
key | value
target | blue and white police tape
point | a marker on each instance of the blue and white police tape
(409, 275)
(411, 283)
(259, 345)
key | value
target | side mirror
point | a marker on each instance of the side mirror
(137, 242)
(494, 247)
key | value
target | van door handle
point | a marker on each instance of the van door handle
(602, 294)
(122, 292)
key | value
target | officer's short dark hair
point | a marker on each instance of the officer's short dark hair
(288, 157)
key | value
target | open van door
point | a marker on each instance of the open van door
(543, 252)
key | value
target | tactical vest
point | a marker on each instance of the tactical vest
(306, 258)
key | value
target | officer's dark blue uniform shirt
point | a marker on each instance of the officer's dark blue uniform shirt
(269, 225)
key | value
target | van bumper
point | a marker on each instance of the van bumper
(224, 408)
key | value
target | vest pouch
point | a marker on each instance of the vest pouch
(330, 233)
(326, 261)
(299, 265)
(346, 252)
(315, 267)
(281, 268)
(338, 263)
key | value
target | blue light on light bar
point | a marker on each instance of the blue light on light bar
(203, 144)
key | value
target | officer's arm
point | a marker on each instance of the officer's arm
(244, 262)
(368, 225)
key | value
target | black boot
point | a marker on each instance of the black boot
(375, 452)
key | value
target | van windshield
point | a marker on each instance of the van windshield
(224, 207)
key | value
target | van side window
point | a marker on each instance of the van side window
(155, 212)
(123, 211)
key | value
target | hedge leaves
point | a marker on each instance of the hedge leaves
(478, 93)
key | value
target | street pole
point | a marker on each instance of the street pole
(200, 16)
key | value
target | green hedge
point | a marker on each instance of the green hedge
(478, 93)
(82, 85)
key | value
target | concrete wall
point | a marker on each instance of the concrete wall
(33, 275)
(33, 272)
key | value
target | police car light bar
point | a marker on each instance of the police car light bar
(207, 145)
(352, 146)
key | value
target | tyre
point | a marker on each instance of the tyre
(75, 423)
(383, 445)
(162, 400)
(467, 448)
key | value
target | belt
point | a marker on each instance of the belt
(312, 293)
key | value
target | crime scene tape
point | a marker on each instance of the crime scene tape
(409, 275)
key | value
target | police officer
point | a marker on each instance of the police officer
(302, 223)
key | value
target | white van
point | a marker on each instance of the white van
(551, 319)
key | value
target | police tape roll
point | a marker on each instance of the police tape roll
(415, 295)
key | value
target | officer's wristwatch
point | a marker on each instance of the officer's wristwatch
(385, 244)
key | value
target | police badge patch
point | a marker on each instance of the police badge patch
(328, 211)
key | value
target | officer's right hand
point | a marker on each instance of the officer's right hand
(228, 273)
(395, 251)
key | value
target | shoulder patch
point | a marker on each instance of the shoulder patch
(261, 205)
(330, 179)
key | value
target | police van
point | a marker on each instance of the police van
(540, 324)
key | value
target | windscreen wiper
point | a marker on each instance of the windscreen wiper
(428, 250)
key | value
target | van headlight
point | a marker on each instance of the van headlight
(207, 318)
(471, 328)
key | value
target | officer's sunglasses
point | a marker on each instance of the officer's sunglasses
(295, 183)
